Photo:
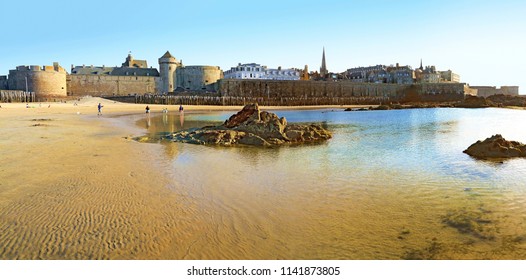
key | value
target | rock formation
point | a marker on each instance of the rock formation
(496, 147)
(252, 127)
(475, 102)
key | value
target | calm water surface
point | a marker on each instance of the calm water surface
(389, 185)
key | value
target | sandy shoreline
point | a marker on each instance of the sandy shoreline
(72, 186)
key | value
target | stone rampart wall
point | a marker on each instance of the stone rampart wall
(45, 82)
(198, 78)
(486, 91)
(3, 83)
(330, 91)
(98, 85)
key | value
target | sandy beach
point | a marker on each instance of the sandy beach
(74, 186)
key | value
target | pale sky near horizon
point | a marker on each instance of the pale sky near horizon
(483, 41)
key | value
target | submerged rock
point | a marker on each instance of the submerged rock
(252, 127)
(496, 147)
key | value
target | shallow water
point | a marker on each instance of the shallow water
(389, 185)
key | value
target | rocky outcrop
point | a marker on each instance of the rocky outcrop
(502, 100)
(496, 147)
(475, 102)
(252, 127)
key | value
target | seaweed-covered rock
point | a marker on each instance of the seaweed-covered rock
(252, 127)
(496, 147)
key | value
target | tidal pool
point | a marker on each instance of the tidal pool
(389, 185)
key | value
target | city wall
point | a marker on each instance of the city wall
(486, 91)
(48, 81)
(3, 82)
(99, 85)
(322, 92)
(299, 93)
(198, 77)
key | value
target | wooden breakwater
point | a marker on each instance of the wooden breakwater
(8, 96)
(240, 101)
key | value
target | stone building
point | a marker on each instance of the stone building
(3, 83)
(133, 77)
(429, 74)
(174, 76)
(131, 62)
(449, 77)
(198, 78)
(305, 73)
(260, 72)
(366, 74)
(402, 75)
(45, 81)
(167, 66)
(381, 74)
(486, 91)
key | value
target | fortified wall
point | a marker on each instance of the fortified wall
(342, 92)
(3, 83)
(198, 78)
(104, 85)
(46, 81)
(486, 91)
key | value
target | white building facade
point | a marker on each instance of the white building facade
(260, 72)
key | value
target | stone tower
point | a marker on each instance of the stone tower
(323, 68)
(167, 66)
(305, 73)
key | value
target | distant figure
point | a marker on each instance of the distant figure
(165, 110)
(100, 109)
(181, 108)
(147, 109)
(27, 105)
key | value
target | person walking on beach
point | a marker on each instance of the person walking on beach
(100, 109)
(147, 109)
(181, 108)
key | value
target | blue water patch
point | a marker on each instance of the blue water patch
(416, 144)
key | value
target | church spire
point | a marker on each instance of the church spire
(323, 68)
(421, 68)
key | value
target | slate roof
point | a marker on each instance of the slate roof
(97, 70)
(167, 55)
(133, 71)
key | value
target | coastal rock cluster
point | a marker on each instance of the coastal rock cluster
(250, 126)
(496, 147)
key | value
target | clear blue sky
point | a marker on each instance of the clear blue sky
(483, 41)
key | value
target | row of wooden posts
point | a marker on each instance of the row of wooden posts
(263, 101)
(7, 96)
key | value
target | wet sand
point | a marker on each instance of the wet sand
(73, 186)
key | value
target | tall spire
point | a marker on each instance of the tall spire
(323, 68)
(421, 68)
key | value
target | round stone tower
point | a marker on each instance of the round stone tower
(45, 82)
(167, 66)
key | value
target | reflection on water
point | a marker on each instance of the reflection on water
(389, 185)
